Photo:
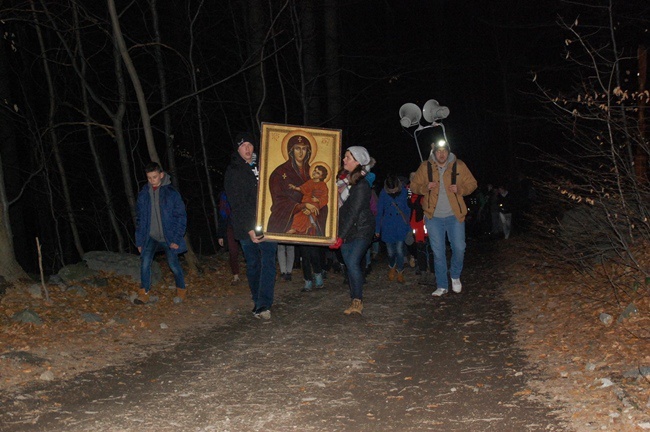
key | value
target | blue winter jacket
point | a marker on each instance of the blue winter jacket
(172, 214)
(389, 222)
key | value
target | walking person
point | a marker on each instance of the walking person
(241, 182)
(421, 241)
(493, 205)
(374, 199)
(286, 257)
(226, 231)
(312, 267)
(504, 200)
(160, 224)
(392, 224)
(444, 180)
(356, 222)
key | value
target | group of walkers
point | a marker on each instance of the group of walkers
(418, 214)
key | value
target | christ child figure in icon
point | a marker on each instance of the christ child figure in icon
(314, 191)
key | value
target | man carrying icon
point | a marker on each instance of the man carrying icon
(443, 181)
(241, 182)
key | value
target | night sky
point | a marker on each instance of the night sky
(469, 56)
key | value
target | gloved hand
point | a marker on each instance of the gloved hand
(337, 244)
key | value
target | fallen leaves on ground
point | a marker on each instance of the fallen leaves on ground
(557, 317)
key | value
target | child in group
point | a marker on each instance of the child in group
(314, 192)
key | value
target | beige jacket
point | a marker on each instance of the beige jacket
(464, 180)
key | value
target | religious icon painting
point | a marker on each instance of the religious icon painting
(297, 198)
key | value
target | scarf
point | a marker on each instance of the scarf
(343, 186)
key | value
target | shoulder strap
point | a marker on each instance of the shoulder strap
(430, 171)
(453, 173)
(400, 212)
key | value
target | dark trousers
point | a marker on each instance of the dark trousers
(311, 261)
(233, 250)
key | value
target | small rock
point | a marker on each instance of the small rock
(55, 280)
(27, 316)
(91, 317)
(606, 319)
(97, 282)
(164, 326)
(629, 311)
(637, 372)
(590, 367)
(47, 376)
(34, 290)
(606, 382)
(77, 290)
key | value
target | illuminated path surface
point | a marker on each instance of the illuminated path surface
(410, 363)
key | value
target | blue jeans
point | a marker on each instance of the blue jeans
(260, 271)
(396, 254)
(146, 258)
(455, 231)
(353, 252)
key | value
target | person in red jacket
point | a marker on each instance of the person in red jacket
(423, 252)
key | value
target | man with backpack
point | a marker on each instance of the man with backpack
(443, 180)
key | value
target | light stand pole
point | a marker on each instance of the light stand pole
(410, 115)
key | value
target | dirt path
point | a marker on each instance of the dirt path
(410, 363)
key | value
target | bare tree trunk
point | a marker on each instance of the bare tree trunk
(54, 138)
(117, 118)
(99, 169)
(199, 116)
(332, 64)
(9, 267)
(135, 80)
(162, 82)
(641, 153)
(309, 88)
(190, 256)
(255, 45)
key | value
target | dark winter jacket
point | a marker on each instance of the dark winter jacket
(393, 215)
(355, 218)
(172, 215)
(240, 184)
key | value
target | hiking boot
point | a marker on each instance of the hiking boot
(308, 286)
(143, 297)
(412, 261)
(439, 292)
(391, 273)
(355, 307)
(456, 286)
(318, 280)
(235, 280)
(400, 276)
(265, 314)
(180, 295)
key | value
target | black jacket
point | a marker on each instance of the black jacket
(240, 184)
(355, 218)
